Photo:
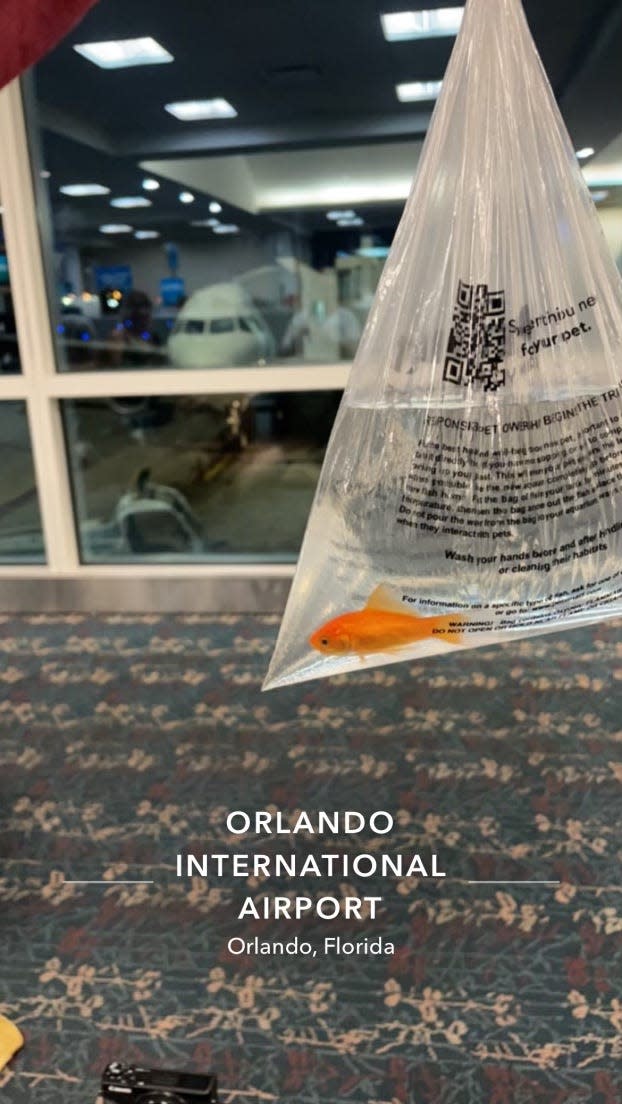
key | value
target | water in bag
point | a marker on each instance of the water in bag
(471, 487)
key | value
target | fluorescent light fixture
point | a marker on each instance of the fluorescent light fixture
(215, 207)
(124, 52)
(186, 197)
(193, 111)
(226, 228)
(587, 151)
(144, 235)
(115, 228)
(599, 196)
(323, 195)
(378, 251)
(403, 25)
(150, 185)
(84, 189)
(350, 222)
(130, 201)
(335, 215)
(418, 91)
(609, 176)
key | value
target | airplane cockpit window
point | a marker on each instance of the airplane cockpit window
(222, 325)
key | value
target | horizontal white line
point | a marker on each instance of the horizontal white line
(167, 380)
(107, 881)
(513, 881)
(162, 572)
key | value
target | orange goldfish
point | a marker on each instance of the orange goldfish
(382, 626)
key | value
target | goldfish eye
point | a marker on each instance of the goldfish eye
(325, 641)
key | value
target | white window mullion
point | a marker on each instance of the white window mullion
(204, 381)
(12, 387)
(34, 334)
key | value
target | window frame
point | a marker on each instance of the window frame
(42, 386)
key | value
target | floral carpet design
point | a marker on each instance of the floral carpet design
(124, 741)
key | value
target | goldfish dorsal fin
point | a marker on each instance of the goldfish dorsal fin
(383, 598)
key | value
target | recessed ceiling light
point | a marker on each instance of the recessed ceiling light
(403, 25)
(205, 222)
(150, 185)
(587, 151)
(84, 189)
(192, 111)
(215, 207)
(143, 235)
(45, 174)
(186, 197)
(115, 228)
(123, 52)
(350, 222)
(415, 91)
(226, 228)
(335, 215)
(130, 201)
(599, 196)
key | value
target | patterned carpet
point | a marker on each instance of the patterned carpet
(126, 739)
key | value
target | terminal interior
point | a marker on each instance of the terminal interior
(214, 217)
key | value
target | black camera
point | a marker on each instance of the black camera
(135, 1085)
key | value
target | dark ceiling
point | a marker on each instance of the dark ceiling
(301, 73)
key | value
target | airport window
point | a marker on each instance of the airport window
(188, 243)
(21, 538)
(224, 244)
(214, 477)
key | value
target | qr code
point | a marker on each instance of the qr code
(476, 348)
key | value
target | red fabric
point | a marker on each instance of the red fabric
(30, 28)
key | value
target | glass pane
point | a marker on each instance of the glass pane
(21, 536)
(199, 243)
(9, 352)
(225, 478)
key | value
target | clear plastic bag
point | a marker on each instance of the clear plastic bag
(470, 491)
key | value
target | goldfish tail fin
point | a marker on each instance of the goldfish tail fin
(450, 628)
